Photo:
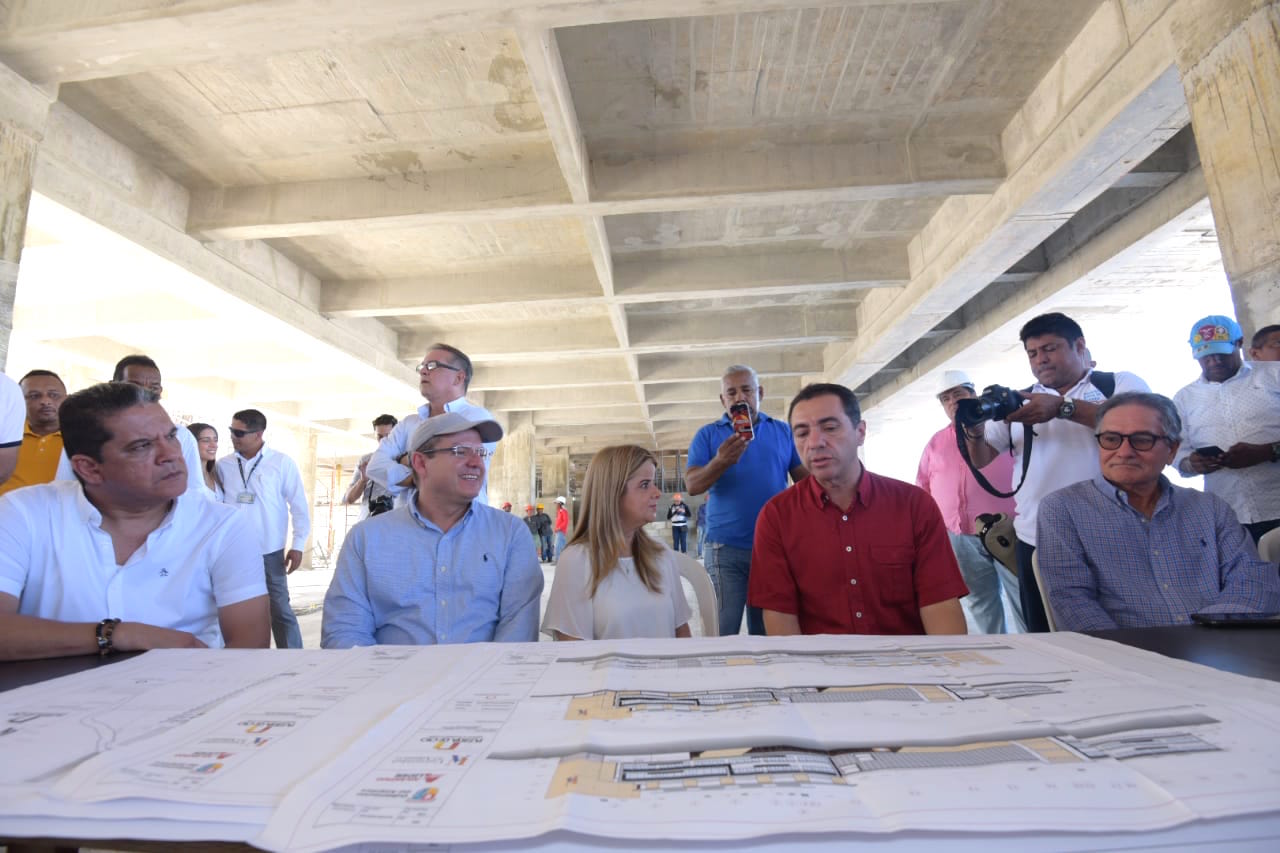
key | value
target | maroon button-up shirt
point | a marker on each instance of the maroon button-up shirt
(865, 570)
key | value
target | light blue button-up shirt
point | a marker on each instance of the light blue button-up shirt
(401, 580)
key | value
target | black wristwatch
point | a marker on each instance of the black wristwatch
(106, 628)
(1067, 409)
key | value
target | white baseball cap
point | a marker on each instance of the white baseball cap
(951, 379)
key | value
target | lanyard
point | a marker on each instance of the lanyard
(254, 467)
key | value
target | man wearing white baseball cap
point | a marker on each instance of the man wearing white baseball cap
(1231, 425)
(443, 568)
(944, 474)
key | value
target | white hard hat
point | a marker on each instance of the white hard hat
(952, 378)
(561, 499)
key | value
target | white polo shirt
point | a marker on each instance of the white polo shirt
(1063, 452)
(60, 564)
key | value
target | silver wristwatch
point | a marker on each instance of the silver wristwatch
(1067, 409)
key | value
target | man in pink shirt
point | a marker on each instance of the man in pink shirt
(948, 480)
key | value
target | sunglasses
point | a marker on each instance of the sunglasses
(241, 433)
(1137, 440)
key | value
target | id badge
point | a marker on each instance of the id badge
(245, 498)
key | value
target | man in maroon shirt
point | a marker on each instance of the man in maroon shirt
(846, 551)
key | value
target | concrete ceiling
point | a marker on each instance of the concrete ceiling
(605, 204)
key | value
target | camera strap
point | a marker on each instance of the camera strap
(1027, 434)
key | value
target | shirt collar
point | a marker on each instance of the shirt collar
(424, 411)
(261, 454)
(1114, 493)
(817, 497)
(1245, 370)
(428, 524)
(1074, 389)
(90, 514)
(27, 432)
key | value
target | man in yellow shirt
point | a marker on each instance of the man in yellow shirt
(41, 448)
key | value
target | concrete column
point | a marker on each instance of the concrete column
(511, 471)
(23, 111)
(308, 465)
(1229, 55)
(555, 475)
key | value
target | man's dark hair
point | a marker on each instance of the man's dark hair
(1261, 335)
(384, 420)
(463, 362)
(135, 360)
(848, 400)
(31, 373)
(1052, 324)
(82, 415)
(251, 418)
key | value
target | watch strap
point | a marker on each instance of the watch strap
(105, 631)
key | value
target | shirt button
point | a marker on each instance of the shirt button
(444, 568)
(442, 602)
(848, 548)
(853, 581)
(844, 518)
(858, 614)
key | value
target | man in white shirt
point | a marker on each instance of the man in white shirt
(1062, 407)
(1231, 425)
(265, 485)
(443, 378)
(13, 414)
(123, 558)
(373, 499)
(140, 370)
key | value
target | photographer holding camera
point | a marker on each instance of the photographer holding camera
(372, 497)
(1061, 409)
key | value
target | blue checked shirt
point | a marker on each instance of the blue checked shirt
(1104, 565)
(401, 580)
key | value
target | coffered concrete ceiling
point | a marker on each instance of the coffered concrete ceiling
(605, 204)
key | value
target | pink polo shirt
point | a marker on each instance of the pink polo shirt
(948, 480)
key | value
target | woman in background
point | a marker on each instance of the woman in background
(613, 580)
(207, 439)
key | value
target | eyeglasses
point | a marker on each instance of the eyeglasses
(432, 365)
(479, 451)
(1137, 440)
(241, 433)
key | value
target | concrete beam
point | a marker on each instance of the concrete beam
(684, 367)
(48, 41)
(757, 327)
(622, 428)
(708, 391)
(590, 416)
(517, 286)
(538, 374)
(583, 337)
(639, 278)
(573, 398)
(800, 174)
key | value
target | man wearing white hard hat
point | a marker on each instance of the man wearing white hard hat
(445, 567)
(945, 475)
(562, 525)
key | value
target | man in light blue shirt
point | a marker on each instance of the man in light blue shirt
(444, 567)
(443, 378)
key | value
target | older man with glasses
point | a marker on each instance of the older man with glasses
(444, 567)
(443, 378)
(1128, 549)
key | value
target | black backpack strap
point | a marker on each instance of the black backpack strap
(1104, 382)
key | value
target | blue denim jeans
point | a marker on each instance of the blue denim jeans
(985, 575)
(284, 625)
(680, 538)
(559, 545)
(702, 539)
(729, 569)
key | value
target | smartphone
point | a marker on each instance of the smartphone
(1237, 620)
(740, 417)
(1211, 450)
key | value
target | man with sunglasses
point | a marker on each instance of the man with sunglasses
(443, 378)
(265, 484)
(444, 567)
(1128, 549)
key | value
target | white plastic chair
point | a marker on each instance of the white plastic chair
(1269, 546)
(709, 611)
(1044, 595)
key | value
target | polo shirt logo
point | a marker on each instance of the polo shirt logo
(164, 573)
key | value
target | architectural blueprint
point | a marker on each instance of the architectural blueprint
(644, 741)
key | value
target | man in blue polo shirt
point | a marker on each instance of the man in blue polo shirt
(741, 474)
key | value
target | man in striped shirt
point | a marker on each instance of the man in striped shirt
(1128, 549)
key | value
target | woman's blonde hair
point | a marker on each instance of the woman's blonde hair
(599, 525)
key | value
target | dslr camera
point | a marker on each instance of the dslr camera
(381, 504)
(995, 403)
